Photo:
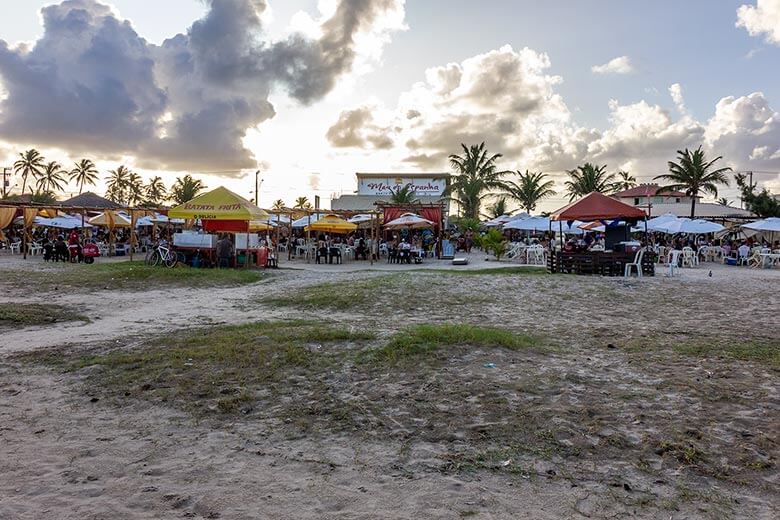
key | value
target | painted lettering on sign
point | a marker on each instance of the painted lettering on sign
(423, 187)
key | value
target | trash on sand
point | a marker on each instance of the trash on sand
(489, 365)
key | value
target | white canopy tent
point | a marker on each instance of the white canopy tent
(409, 221)
(770, 226)
(306, 220)
(691, 227)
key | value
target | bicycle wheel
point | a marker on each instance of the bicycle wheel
(170, 259)
(152, 258)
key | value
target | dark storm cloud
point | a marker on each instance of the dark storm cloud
(91, 83)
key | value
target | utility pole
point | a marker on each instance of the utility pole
(6, 174)
(258, 183)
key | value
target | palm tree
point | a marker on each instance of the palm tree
(625, 181)
(723, 201)
(403, 195)
(692, 174)
(302, 203)
(85, 172)
(498, 208)
(31, 163)
(278, 205)
(530, 189)
(477, 175)
(156, 193)
(117, 185)
(186, 188)
(51, 178)
(135, 189)
(588, 178)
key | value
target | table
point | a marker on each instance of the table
(769, 259)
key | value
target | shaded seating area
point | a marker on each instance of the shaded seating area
(620, 256)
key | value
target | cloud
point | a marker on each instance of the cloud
(92, 84)
(506, 98)
(619, 65)
(675, 91)
(762, 18)
(357, 129)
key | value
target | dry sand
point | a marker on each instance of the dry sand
(67, 452)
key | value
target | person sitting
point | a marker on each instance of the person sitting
(48, 251)
(743, 252)
(61, 251)
(405, 252)
(360, 250)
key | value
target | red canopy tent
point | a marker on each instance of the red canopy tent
(597, 206)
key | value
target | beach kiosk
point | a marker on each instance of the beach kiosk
(617, 219)
(221, 211)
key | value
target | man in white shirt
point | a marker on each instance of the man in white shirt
(743, 250)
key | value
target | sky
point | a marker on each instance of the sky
(309, 92)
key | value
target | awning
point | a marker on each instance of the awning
(332, 224)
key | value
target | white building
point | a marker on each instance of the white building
(378, 187)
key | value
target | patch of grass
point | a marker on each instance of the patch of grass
(421, 340)
(497, 271)
(26, 314)
(212, 370)
(340, 296)
(127, 275)
(762, 352)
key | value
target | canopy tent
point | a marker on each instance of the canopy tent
(332, 224)
(306, 220)
(409, 221)
(220, 210)
(686, 225)
(542, 224)
(503, 219)
(111, 220)
(360, 219)
(597, 206)
(655, 223)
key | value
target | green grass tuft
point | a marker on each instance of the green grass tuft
(761, 352)
(27, 314)
(497, 271)
(421, 340)
(126, 275)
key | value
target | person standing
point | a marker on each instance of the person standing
(225, 251)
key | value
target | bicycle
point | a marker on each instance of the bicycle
(161, 254)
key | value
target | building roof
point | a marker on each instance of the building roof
(703, 210)
(415, 175)
(646, 190)
(597, 206)
(90, 200)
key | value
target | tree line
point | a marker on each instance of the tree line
(123, 186)
(477, 178)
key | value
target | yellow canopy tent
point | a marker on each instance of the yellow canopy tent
(331, 224)
(220, 210)
(256, 225)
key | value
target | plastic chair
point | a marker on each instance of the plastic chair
(637, 263)
(672, 260)
(689, 257)
(16, 248)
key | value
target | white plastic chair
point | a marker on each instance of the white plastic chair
(672, 260)
(689, 257)
(637, 263)
(35, 249)
(535, 255)
(16, 248)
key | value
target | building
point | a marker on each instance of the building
(429, 188)
(645, 194)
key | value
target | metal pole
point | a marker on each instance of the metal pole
(257, 188)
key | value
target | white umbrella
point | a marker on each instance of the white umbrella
(409, 221)
(63, 222)
(306, 220)
(360, 219)
(529, 224)
(692, 227)
(655, 223)
(771, 224)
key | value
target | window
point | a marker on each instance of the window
(636, 201)
(677, 200)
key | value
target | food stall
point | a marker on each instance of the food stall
(220, 211)
(618, 251)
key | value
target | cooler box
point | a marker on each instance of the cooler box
(195, 240)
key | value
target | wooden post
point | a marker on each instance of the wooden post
(373, 242)
(132, 233)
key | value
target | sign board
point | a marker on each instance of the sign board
(385, 186)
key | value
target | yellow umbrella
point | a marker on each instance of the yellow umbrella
(331, 224)
(219, 204)
(256, 225)
(110, 219)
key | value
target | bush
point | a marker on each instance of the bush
(493, 242)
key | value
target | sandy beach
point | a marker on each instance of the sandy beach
(610, 419)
